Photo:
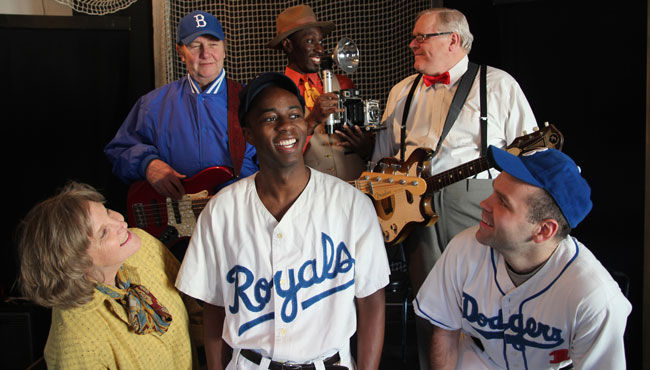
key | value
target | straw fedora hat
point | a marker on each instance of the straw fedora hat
(295, 19)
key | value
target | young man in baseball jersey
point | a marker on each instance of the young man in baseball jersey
(281, 258)
(517, 291)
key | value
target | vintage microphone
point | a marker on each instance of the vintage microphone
(326, 63)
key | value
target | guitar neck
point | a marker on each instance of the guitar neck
(439, 181)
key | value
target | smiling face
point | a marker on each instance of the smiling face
(304, 50)
(276, 126)
(204, 58)
(111, 242)
(505, 225)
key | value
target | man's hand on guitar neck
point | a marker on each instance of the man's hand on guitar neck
(165, 179)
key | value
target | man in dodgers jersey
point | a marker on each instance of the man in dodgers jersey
(518, 290)
(281, 258)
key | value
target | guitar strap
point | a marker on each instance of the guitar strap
(407, 106)
(483, 119)
(465, 84)
(236, 142)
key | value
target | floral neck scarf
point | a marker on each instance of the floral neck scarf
(145, 313)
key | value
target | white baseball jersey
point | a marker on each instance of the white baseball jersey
(288, 287)
(571, 310)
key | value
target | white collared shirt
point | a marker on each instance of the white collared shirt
(509, 115)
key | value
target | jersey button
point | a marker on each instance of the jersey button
(279, 235)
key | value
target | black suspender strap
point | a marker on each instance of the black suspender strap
(464, 85)
(484, 118)
(407, 106)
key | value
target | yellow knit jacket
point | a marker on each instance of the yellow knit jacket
(96, 335)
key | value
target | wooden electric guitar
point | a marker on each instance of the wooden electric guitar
(403, 198)
(173, 220)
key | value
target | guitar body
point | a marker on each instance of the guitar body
(169, 220)
(400, 212)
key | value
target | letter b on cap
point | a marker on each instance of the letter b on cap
(200, 20)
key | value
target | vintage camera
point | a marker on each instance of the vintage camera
(357, 111)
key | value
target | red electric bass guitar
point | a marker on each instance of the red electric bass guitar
(170, 220)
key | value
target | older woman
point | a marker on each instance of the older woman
(111, 288)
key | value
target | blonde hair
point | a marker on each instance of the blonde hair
(54, 237)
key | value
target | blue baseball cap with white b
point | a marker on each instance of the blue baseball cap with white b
(198, 23)
(553, 171)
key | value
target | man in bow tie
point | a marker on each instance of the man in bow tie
(440, 42)
(299, 35)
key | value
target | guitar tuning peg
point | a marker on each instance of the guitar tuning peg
(395, 168)
(546, 124)
(535, 129)
(419, 169)
(370, 166)
(383, 166)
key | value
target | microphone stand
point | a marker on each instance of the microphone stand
(326, 77)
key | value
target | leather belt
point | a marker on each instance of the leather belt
(256, 358)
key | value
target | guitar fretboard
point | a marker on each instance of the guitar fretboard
(439, 181)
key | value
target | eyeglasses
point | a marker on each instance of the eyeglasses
(419, 38)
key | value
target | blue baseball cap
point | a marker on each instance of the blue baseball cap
(261, 82)
(196, 24)
(553, 171)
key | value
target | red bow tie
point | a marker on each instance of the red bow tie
(442, 78)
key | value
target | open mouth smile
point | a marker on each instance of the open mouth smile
(486, 222)
(287, 143)
(128, 237)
